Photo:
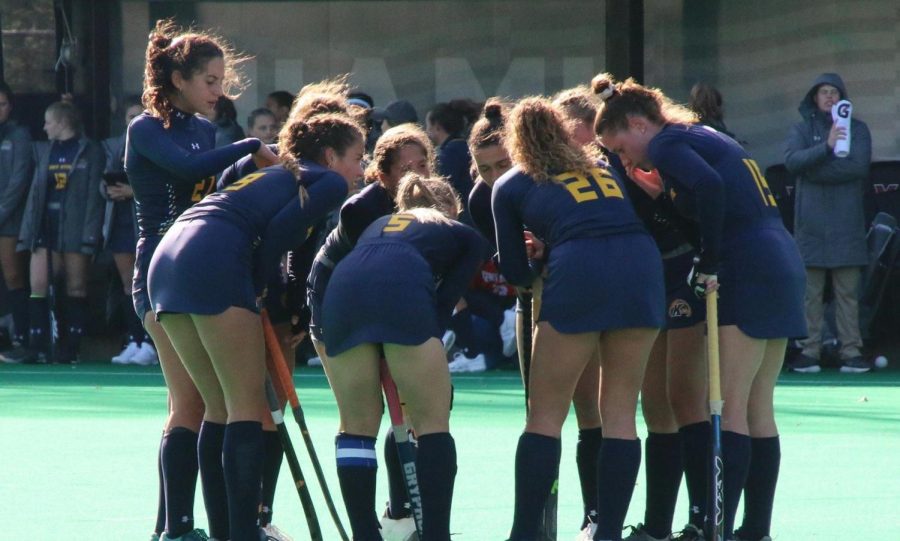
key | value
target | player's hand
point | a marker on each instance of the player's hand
(836, 134)
(296, 336)
(534, 247)
(119, 192)
(264, 157)
(701, 284)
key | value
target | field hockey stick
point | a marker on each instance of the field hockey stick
(312, 521)
(715, 496)
(53, 339)
(278, 369)
(405, 448)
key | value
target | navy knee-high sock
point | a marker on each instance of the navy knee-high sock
(179, 461)
(76, 312)
(210, 444)
(736, 464)
(242, 452)
(759, 491)
(18, 305)
(663, 473)
(436, 471)
(537, 461)
(161, 500)
(357, 466)
(617, 471)
(695, 446)
(586, 451)
(273, 455)
(398, 502)
(39, 318)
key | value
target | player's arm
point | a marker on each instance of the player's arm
(513, 257)
(685, 167)
(93, 214)
(20, 177)
(152, 141)
(471, 250)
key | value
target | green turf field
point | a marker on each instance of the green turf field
(78, 455)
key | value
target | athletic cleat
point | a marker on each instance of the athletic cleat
(638, 533)
(398, 529)
(587, 534)
(508, 332)
(689, 533)
(462, 364)
(314, 361)
(127, 354)
(805, 364)
(145, 356)
(272, 533)
(855, 365)
(193, 535)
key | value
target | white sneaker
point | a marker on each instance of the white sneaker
(314, 361)
(508, 332)
(275, 534)
(402, 529)
(448, 339)
(461, 363)
(146, 356)
(127, 354)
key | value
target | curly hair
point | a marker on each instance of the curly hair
(172, 49)
(488, 130)
(539, 143)
(434, 194)
(578, 103)
(388, 147)
(327, 96)
(632, 98)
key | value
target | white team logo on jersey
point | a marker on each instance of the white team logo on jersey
(195, 146)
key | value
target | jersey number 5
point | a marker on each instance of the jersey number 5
(397, 223)
(203, 188)
(590, 186)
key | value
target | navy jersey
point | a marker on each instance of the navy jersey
(373, 202)
(571, 206)
(62, 154)
(480, 211)
(712, 180)
(455, 162)
(172, 168)
(266, 206)
(452, 250)
(240, 169)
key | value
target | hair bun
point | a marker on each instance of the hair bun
(493, 110)
(604, 86)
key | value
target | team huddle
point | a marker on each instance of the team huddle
(610, 208)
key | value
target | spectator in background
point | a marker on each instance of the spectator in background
(15, 174)
(280, 102)
(62, 224)
(263, 125)
(225, 118)
(395, 113)
(829, 223)
(447, 124)
(120, 238)
(366, 105)
(706, 101)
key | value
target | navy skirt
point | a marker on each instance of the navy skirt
(383, 294)
(144, 250)
(762, 284)
(319, 276)
(202, 266)
(683, 308)
(606, 283)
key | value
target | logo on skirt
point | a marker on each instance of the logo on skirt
(680, 309)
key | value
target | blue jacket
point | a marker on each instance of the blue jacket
(829, 225)
(15, 175)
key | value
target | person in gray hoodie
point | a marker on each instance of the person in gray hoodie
(15, 175)
(830, 227)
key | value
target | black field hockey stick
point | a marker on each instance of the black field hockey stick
(278, 370)
(715, 494)
(312, 521)
(53, 338)
(406, 450)
(527, 311)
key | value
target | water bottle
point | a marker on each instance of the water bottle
(840, 114)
